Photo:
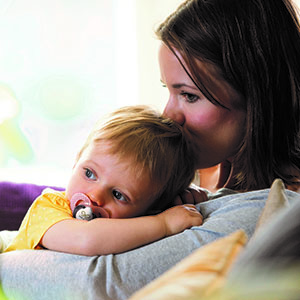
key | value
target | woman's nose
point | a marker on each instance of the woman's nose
(174, 112)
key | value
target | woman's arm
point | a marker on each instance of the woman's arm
(107, 236)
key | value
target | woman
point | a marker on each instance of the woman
(232, 69)
(234, 79)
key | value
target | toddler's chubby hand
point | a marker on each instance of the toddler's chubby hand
(192, 195)
(178, 218)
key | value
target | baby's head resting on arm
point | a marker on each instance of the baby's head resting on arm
(141, 155)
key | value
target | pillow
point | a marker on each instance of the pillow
(277, 241)
(200, 273)
(15, 199)
(269, 267)
(276, 201)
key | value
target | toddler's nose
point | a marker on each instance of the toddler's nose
(96, 197)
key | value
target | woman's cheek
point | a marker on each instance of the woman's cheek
(206, 120)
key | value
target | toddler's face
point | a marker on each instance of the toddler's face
(111, 183)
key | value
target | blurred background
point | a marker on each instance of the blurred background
(63, 65)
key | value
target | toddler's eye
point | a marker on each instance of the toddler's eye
(89, 174)
(119, 196)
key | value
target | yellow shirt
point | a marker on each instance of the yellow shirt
(49, 208)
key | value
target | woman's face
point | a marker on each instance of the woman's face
(216, 131)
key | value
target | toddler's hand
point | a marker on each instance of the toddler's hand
(178, 218)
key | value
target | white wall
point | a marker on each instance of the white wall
(149, 15)
(63, 65)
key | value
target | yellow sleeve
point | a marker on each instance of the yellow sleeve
(48, 209)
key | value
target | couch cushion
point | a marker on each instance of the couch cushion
(15, 199)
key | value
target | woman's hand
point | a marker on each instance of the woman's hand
(178, 218)
(192, 195)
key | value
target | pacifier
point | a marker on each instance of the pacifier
(83, 208)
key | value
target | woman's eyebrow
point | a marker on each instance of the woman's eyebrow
(181, 85)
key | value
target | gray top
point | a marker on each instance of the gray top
(44, 274)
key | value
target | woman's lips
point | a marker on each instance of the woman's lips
(82, 199)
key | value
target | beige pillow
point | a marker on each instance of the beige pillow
(276, 201)
(202, 272)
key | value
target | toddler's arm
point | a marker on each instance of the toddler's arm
(103, 236)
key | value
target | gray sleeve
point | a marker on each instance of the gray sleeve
(44, 274)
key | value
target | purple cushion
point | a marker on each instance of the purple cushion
(15, 199)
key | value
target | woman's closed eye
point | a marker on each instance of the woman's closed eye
(89, 174)
(119, 196)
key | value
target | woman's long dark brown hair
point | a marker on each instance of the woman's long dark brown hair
(256, 46)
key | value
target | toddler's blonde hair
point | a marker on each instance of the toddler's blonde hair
(154, 143)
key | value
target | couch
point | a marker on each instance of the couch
(15, 199)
